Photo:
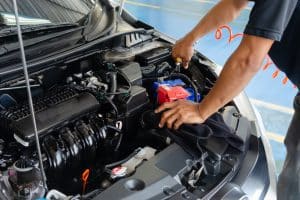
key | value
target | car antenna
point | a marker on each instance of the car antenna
(122, 3)
(23, 57)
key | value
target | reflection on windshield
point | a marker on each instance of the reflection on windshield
(10, 20)
(45, 11)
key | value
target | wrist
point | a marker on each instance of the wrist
(191, 38)
(202, 112)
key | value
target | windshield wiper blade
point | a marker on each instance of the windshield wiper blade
(12, 30)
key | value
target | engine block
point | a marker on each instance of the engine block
(57, 108)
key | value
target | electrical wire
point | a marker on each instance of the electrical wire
(183, 76)
(119, 125)
(114, 128)
(91, 194)
(175, 73)
(113, 105)
(114, 164)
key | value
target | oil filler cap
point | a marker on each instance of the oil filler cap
(118, 172)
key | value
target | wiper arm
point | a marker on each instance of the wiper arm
(12, 30)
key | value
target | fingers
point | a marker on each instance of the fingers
(165, 116)
(178, 123)
(165, 106)
(177, 57)
(182, 60)
(185, 64)
(180, 112)
(171, 120)
(183, 49)
(175, 121)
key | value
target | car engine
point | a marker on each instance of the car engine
(89, 112)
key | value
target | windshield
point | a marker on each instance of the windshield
(52, 26)
(37, 12)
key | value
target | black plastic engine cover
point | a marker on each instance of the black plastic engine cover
(153, 56)
(153, 179)
(133, 72)
(133, 105)
(53, 116)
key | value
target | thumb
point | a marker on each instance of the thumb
(185, 64)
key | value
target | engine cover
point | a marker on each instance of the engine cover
(52, 111)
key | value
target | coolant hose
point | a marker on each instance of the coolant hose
(113, 84)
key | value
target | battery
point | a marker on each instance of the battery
(169, 94)
(170, 84)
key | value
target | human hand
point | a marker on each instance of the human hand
(179, 112)
(183, 50)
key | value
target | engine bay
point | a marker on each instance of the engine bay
(91, 121)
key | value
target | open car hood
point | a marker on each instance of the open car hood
(98, 21)
(99, 138)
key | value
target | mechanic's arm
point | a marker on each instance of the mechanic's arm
(222, 13)
(240, 68)
(243, 64)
